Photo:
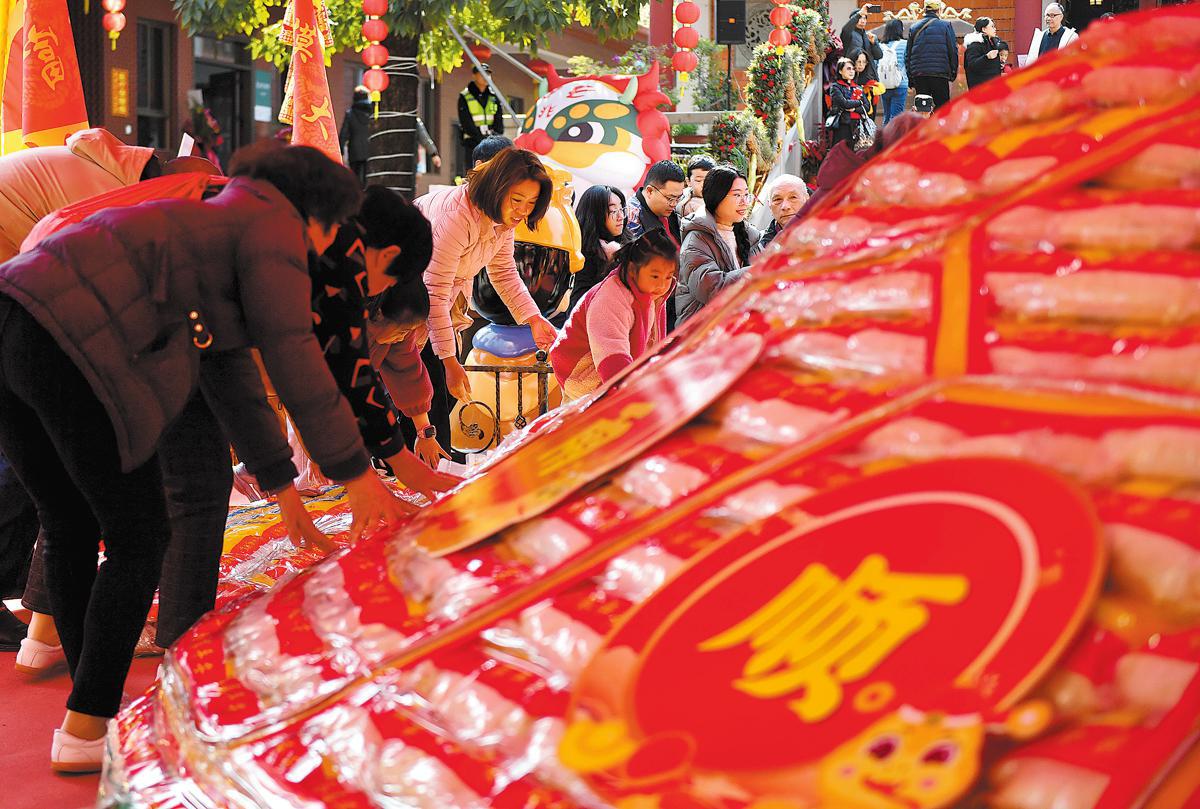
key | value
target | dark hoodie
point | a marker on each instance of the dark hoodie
(356, 131)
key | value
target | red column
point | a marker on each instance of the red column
(1028, 16)
(661, 21)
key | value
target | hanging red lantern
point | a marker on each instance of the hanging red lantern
(375, 56)
(687, 12)
(781, 37)
(375, 8)
(376, 81)
(684, 61)
(114, 24)
(375, 30)
(113, 6)
(781, 16)
(687, 38)
(540, 67)
(481, 52)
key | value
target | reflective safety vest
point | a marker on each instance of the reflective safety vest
(481, 115)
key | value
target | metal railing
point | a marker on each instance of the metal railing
(475, 430)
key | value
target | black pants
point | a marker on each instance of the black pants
(359, 167)
(18, 530)
(439, 408)
(933, 86)
(61, 443)
(197, 477)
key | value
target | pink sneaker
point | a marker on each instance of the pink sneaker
(36, 657)
(70, 753)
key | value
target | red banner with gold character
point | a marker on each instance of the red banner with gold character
(308, 106)
(42, 92)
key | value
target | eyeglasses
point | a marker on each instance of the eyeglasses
(670, 198)
(616, 213)
(1052, 14)
(740, 196)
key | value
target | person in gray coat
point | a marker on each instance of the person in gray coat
(717, 244)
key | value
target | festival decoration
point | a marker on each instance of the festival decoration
(742, 139)
(684, 61)
(113, 21)
(375, 55)
(772, 74)
(904, 518)
(603, 130)
(781, 17)
(307, 104)
(41, 98)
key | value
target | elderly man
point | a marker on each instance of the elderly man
(1054, 36)
(788, 195)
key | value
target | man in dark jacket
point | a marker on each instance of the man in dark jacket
(356, 133)
(856, 37)
(932, 55)
(479, 113)
(653, 208)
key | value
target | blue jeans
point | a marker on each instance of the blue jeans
(893, 102)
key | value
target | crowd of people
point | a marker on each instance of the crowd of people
(138, 345)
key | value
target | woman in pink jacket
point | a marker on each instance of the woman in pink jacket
(473, 228)
(619, 319)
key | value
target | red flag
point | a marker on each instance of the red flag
(42, 93)
(307, 105)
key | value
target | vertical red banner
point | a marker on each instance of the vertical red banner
(308, 105)
(42, 91)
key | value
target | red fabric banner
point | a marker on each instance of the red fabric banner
(42, 93)
(308, 106)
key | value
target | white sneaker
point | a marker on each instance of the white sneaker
(35, 657)
(70, 753)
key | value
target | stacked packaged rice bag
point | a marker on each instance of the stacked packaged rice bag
(908, 519)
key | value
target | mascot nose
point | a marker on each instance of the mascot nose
(536, 140)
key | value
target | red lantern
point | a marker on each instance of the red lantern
(375, 56)
(684, 61)
(687, 12)
(481, 52)
(375, 8)
(375, 30)
(114, 24)
(781, 16)
(375, 80)
(781, 37)
(687, 38)
(113, 6)
(540, 67)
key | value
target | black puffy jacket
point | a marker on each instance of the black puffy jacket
(976, 64)
(932, 49)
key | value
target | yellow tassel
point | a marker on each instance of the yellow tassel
(87, 7)
(113, 36)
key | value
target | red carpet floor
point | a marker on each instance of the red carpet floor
(30, 710)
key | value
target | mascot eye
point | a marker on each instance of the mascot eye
(883, 748)
(939, 754)
(583, 132)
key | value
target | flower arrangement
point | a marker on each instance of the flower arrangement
(810, 30)
(205, 127)
(812, 155)
(740, 138)
(768, 76)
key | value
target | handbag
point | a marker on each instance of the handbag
(865, 136)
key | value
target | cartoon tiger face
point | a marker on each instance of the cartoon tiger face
(907, 760)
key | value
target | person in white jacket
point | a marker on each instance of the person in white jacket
(1054, 36)
(473, 227)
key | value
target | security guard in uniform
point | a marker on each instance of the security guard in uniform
(479, 113)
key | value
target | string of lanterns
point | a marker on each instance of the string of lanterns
(114, 20)
(684, 61)
(375, 55)
(781, 18)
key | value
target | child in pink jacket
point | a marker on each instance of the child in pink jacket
(619, 319)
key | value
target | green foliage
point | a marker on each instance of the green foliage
(734, 137)
(521, 23)
(708, 81)
(810, 26)
(684, 129)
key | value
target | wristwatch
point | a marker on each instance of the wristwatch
(427, 432)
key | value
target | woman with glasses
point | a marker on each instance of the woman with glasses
(718, 244)
(601, 215)
(620, 319)
(1054, 36)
